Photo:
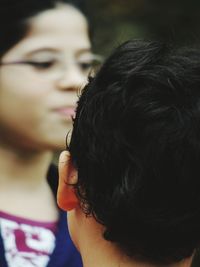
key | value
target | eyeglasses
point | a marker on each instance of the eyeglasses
(53, 68)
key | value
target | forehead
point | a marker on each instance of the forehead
(63, 28)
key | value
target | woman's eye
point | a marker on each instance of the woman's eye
(42, 64)
(85, 65)
(90, 65)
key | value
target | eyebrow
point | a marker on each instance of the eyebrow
(83, 51)
(54, 50)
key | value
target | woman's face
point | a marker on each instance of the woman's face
(39, 79)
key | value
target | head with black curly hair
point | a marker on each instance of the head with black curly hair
(132, 177)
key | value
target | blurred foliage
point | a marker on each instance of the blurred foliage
(115, 21)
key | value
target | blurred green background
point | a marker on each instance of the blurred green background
(114, 21)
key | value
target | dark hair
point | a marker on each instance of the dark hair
(14, 16)
(136, 146)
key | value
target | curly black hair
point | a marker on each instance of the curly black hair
(136, 146)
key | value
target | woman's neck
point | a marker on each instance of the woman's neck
(23, 168)
(24, 190)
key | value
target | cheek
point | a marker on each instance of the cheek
(18, 102)
(23, 86)
(25, 112)
(20, 94)
(22, 104)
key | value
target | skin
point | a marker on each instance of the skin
(36, 106)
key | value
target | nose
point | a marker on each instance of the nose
(71, 80)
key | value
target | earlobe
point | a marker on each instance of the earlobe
(66, 197)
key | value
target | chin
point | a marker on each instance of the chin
(53, 145)
(58, 147)
(58, 143)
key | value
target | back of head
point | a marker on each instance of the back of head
(14, 17)
(136, 146)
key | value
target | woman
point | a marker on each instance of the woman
(45, 57)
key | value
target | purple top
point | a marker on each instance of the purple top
(27, 241)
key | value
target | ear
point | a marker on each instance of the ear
(66, 197)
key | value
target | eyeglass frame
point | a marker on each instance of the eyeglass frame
(33, 63)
